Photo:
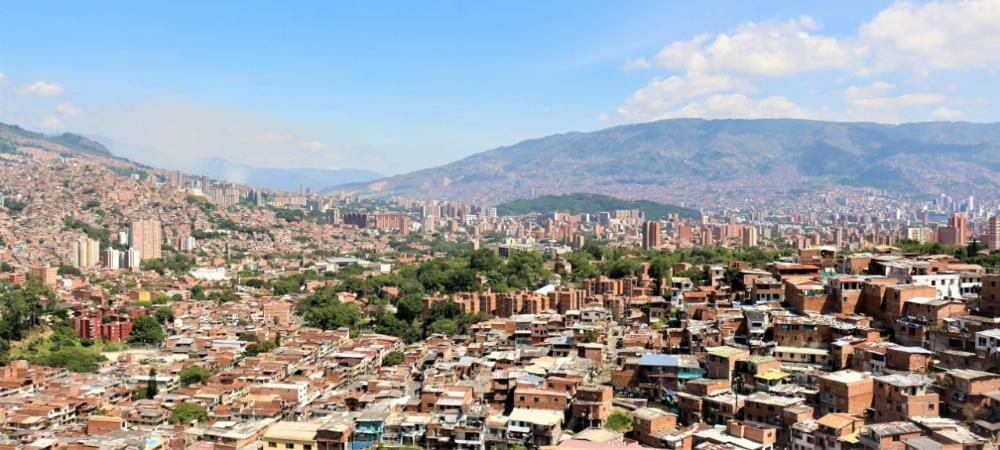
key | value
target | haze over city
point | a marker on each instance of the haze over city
(500, 226)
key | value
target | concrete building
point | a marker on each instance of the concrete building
(146, 236)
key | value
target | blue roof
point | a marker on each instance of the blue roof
(533, 379)
(651, 359)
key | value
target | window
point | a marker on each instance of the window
(289, 445)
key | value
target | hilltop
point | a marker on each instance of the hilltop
(701, 161)
(13, 136)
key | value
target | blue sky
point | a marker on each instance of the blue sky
(398, 86)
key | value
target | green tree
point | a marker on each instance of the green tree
(409, 307)
(485, 260)
(259, 347)
(187, 413)
(194, 374)
(68, 270)
(72, 357)
(620, 268)
(146, 330)
(619, 421)
(443, 326)
(332, 314)
(164, 314)
(392, 359)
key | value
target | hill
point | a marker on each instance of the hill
(13, 136)
(704, 161)
(580, 203)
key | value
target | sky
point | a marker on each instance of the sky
(395, 86)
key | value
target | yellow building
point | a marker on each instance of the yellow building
(291, 436)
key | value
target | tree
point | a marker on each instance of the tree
(485, 260)
(71, 357)
(392, 359)
(194, 374)
(409, 307)
(620, 268)
(187, 413)
(68, 270)
(151, 388)
(146, 330)
(619, 421)
(444, 310)
(443, 326)
(696, 274)
(164, 314)
(660, 269)
(332, 315)
(394, 326)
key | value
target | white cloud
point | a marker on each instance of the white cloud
(936, 35)
(3, 79)
(604, 118)
(739, 106)
(639, 63)
(762, 49)
(68, 109)
(51, 122)
(947, 114)
(662, 95)
(878, 96)
(314, 145)
(44, 88)
(879, 102)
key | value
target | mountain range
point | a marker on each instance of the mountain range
(693, 161)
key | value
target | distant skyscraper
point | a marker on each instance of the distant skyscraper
(652, 232)
(146, 237)
(86, 253)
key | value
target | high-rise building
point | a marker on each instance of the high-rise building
(652, 235)
(146, 237)
(333, 216)
(186, 243)
(111, 258)
(86, 253)
(918, 234)
(131, 259)
(993, 233)
(749, 236)
(47, 275)
(957, 231)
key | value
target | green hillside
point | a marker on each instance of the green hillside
(590, 204)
